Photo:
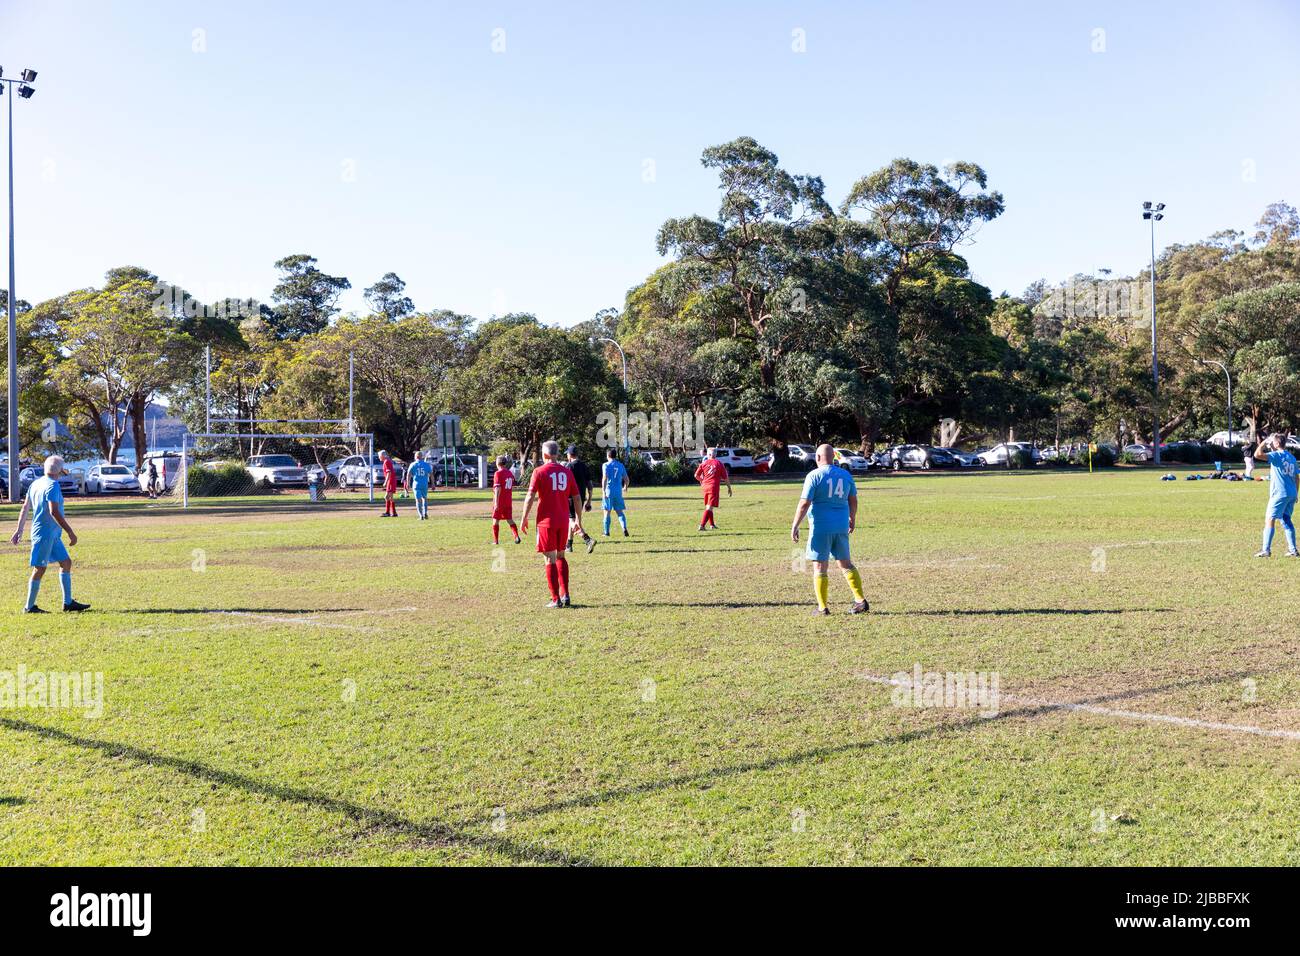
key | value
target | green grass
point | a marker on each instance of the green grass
(488, 730)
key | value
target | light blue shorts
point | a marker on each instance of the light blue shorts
(48, 549)
(824, 545)
(613, 502)
(1280, 508)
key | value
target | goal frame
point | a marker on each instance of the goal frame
(349, 437)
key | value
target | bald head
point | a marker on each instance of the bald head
(825, 454)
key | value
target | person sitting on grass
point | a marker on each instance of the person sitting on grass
(44, 502)
(1281, 494)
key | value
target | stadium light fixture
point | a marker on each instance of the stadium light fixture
(1153, 216)
(1228, 374)
(24, 90)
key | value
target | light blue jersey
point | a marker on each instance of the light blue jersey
(829, 488)
(47, 536)
(614, 472)
(1282, 480)
(420, 472)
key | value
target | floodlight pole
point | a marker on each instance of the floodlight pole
(627, 451)
(1151, 214)
(14, 483)
(1228, 375)
(207, 388)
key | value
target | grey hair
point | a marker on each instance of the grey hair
(54, 466)
(551, 448)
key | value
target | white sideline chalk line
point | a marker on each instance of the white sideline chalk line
(1126, 714)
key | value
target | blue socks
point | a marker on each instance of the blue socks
(606, 522)
(1268, 537)
(622, 519)
(1288, 529)
(33, 587)
(65, 579)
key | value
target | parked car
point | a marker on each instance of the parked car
(168, 466)
(654, 458)
(804, 454)
(736, 459)
(360, 471)
(852, 460)
(923, 457)
(965, 459)
(997, 455)
(70, 482)
(105, 479)
(1138, 452)
(276, 471)
(763, 463)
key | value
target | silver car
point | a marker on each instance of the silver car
(107, 479)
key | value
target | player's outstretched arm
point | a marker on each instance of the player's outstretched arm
(22, 522)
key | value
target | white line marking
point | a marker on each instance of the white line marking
(294, 620)
(1125, 714)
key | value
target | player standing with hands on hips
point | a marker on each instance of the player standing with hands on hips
(832, 497)
(44, 502)
(1281, 492)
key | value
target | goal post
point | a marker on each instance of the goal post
(253, 463)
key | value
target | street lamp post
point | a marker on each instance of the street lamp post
(1152, 214)
(1228, 375)
(20, 87)
(622, 425)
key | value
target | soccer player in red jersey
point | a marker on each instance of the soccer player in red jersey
(503, 499)
(550, 488)
(711, 474)
(390, 485)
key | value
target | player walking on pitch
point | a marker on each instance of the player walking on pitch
(44, 502)
(1281, 493)
(583, 502)
(832, 497)
(552, 488)
(417, 480)
(613, 482)
(711, 473)
(390, 485)
(503, 500)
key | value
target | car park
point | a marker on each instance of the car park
(923, 457)
(654, 458)
(997, 455)
(107, 479)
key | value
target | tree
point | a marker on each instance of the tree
(529, 382)
(305, 298)
(386, 299)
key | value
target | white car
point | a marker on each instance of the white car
(803, 453)
(105, 479)
(852, 460)
(653, 458)
(997, 455)
(276, 471)
(736, 458)
(360, 472)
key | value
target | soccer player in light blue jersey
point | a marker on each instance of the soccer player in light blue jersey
(417, 480)
(1281, 494)
(832, 498)
(613, 481)
(44, 503)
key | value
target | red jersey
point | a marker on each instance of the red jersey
(711, 473)
(554, 486)
(390, 475)
(504, 479)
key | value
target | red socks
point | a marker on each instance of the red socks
(496, 533)
(708, 518)
(563, 566)
(553, 580)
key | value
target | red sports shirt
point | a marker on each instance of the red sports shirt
(711, 473)
(504, 479)
(390, 475)
(554, 485)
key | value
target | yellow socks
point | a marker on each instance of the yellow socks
(855, 583)
(822, 585)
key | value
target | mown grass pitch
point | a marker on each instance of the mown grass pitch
(292, 685)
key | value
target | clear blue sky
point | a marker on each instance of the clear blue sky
(514, 181)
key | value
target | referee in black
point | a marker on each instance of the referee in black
(582, 475)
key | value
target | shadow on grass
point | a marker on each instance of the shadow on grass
(711, 605)
(816, 754)
(436, 832)
(11, 801)
(1012, 611)
(246, 610)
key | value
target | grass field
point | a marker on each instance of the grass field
(295, 685)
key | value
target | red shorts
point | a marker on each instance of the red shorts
(390, 486)
(711, 497)
(504, 513)
(552, 537)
